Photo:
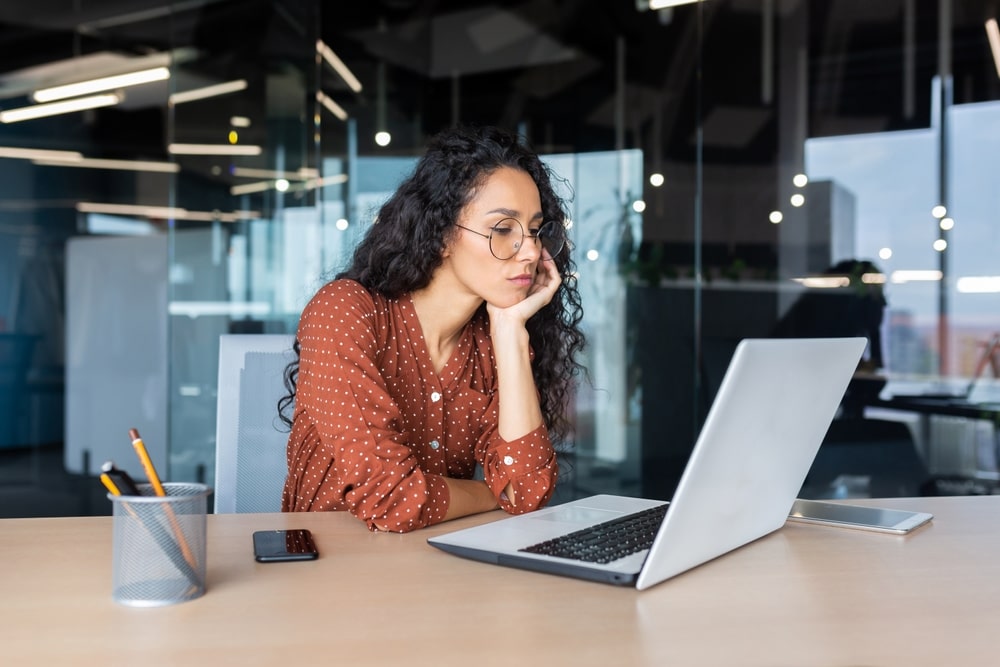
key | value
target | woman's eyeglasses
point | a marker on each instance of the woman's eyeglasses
(507, 236)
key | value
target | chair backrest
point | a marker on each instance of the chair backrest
(250, 464)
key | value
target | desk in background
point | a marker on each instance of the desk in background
(957, 436)
(805, 595)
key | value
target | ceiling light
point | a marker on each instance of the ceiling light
(239, 121)
(978, 284)
(993, 34)
(663, 4)
(302, 173)
(55, 108)
(249, 188)
(338, 66)
(208, 91)
(929, 275)
(824, 282)
(103, 83)
(97, 163)
(165, 212)
(38, 154)
(336, 179)
(330, 105)
(213, 149)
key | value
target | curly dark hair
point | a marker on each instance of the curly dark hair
(403, 248)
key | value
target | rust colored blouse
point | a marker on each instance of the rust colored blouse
(376, 429)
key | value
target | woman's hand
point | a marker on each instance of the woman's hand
(547, 281)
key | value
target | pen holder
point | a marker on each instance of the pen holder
(158, 548)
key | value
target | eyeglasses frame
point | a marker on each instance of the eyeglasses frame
(517, 249)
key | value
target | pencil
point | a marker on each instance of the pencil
(147, 463)
(121, 479)
(154, 480)
(109, 484)
(166, 542)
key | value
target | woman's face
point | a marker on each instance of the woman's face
(506, 193)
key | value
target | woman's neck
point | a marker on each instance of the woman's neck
(443, 315)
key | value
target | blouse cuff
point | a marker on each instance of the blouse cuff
(528, 464)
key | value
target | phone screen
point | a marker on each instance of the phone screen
(282, 545)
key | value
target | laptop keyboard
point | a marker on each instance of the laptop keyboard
(608, 541)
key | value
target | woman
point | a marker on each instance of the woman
(449, 342)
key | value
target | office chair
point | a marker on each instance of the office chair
(250, 464)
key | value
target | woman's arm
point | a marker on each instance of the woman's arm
(520, 411)
(468, 496)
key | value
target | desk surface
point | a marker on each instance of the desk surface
(928, 405)
(805, 595)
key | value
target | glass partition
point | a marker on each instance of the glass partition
(733, 169)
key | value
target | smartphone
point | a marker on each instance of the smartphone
(898, 522)
(272, 546)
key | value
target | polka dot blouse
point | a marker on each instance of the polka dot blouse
(376, 430)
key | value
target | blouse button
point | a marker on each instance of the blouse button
(508, 460)
(435, 444)
(435, 397)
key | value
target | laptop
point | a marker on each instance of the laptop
(760, 437)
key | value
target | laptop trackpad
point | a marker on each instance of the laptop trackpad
(577, 514)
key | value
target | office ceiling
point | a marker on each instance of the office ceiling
(551, 65)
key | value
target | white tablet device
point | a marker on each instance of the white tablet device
(863, 517)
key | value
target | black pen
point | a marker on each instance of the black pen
(121, 479)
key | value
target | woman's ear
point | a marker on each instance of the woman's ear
(450, 238)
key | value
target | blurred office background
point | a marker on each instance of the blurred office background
(733, 168)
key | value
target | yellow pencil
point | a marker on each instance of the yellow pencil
(109, 485)
(185, 565)
(154, 480)
(147, 463)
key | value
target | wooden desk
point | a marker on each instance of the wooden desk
(805, 595)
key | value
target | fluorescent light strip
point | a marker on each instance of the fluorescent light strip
(232, 308)
(213, 149)
(208, 91)
(993, 34)
(302, 174)
(338, 66)
(309, 184)
(248, 188)
(56, 108)
(930, 275)
(167, 212)
(239, 121)
(824, 282)
(125, 165)
(663, 4)
(327, 180)
(38, 154)
(330, 105)
(978, 284)
(103, 83)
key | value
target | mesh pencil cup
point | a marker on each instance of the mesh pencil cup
(158, 549)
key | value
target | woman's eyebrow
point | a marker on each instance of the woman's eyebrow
(511, 213)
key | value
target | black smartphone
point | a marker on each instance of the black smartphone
(272, 546)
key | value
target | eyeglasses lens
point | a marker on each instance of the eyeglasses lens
(551, 237)
(507, 237)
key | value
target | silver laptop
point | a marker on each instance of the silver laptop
(759, 440)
